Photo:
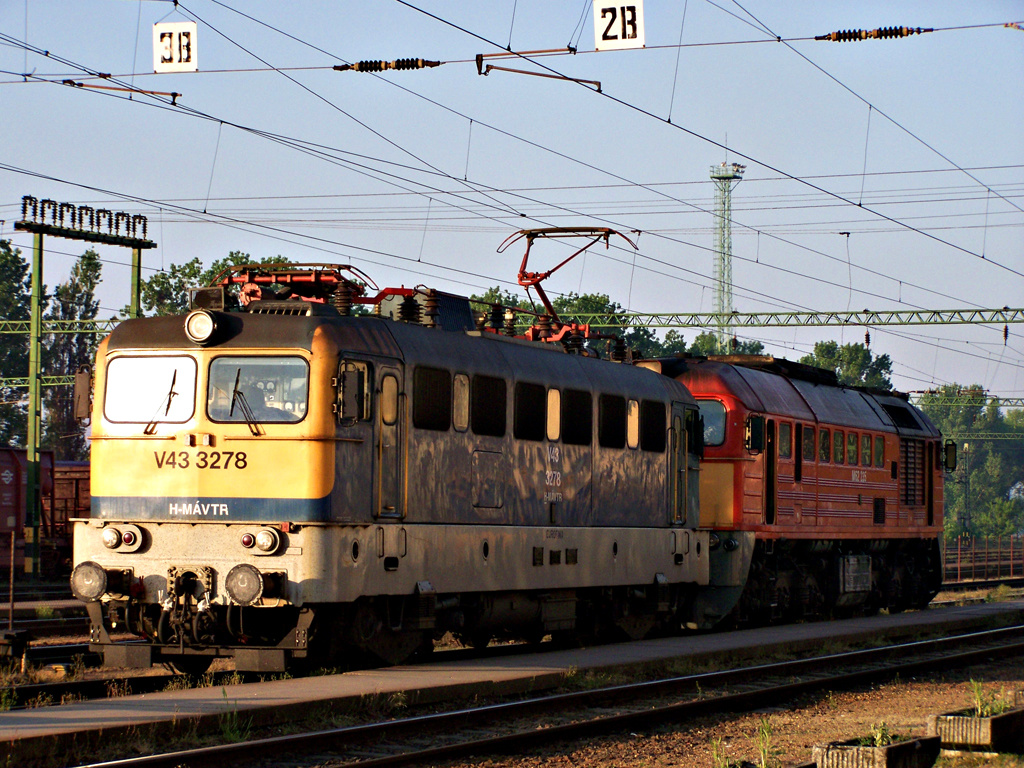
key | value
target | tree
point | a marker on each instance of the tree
(853, 364)
(64, 353)
(167, 292)
(15, 296)
(983, 496)
(706, 344)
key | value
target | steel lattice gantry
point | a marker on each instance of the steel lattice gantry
(866, 317)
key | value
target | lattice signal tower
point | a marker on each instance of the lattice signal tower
(724, 176)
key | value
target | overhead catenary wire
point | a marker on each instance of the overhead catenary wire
(882, 113)
(223, 5)
(265, 134)
(719, 145)
(671, 266)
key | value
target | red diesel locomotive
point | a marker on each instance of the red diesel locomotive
(823, 499)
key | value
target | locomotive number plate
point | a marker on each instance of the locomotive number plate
(201, 460)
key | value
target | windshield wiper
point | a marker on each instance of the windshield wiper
(237, 396)
(151, 426)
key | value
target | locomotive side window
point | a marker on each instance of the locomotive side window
(147, 390)
(653, 426)
(851, 448)
(808, 447)
(528, 420)
(577, 417)
(785, 441)
(825, 446)
(389, 400)
(611, 427)
(838, 452)
(353, 394)
(865, 450)
(431, 399)
(632, 423)
(268, 389)
(879, 451)
(694, 432)
(460, 412)
(713, 413)
(554, 421)
(487, 406)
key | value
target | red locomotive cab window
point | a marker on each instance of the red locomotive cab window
(808, 446)
(879, 452)
(712, 412)
(851, 448)
(785, 441)
(824, 446)
(838, 448)
(865, 450)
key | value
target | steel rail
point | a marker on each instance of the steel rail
(1011, 641)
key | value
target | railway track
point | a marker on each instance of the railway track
(516, 726)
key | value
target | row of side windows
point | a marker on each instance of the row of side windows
(478, 403)
(834, 446)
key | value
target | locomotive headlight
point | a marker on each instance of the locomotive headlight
(244, 584)
(88, 582)
(124, 538)
(111, 538)
(200, 325)
(268, 540)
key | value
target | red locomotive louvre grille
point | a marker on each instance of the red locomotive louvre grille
(912, 478)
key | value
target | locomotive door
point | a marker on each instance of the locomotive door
(678, 464)
(390, 420)
(771, 472)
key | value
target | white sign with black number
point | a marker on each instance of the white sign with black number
(617, 27)
(174, 47)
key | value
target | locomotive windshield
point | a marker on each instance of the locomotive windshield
(713, 414)
(150, 390)
(271, 389)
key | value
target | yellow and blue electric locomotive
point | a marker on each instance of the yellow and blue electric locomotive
(295, 472)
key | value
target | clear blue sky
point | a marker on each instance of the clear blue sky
(417, 177)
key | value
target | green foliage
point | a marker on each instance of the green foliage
(883, 736)
(854, 364)
(718, 757)
(984, 496)
(233, 727)
(166, 293)
(15, 290)
(988, 704)
(768, 755)
(8, 699)
(643, 341)
(64, 353)
(706, 344)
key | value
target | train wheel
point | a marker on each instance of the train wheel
(476, 640)
(373, 638)
(191, 666)
(635, 627)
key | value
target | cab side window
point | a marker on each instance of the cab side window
(528, 421)
(487, 407)
(353, 403)
(785, 441)
(432, 399)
